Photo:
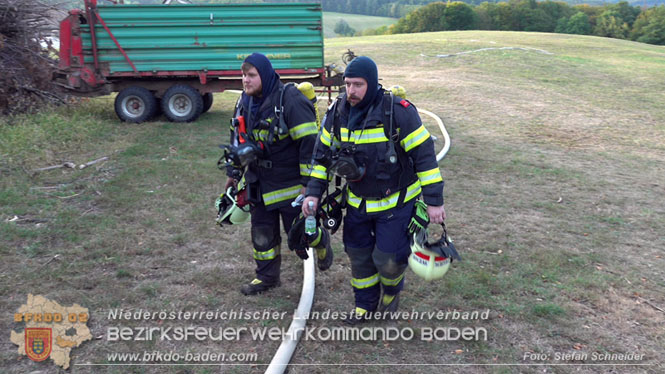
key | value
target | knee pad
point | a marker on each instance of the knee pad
(387, 265)
(264, 238)
(362, 265)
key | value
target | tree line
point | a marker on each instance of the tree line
(620, 20)
(400, 8)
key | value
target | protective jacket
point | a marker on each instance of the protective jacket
(283, 168)
(384, 185)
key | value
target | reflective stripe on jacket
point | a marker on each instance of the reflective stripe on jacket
(379, 189)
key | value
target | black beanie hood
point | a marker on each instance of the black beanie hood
(268, 75)
(364, 67)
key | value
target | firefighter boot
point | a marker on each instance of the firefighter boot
(359, 315)
(389, 304)
(257, 286)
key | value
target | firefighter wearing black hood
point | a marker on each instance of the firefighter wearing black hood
(379, 145)
(280, 124)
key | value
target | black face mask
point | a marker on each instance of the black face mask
(345, 165)
(242, 155)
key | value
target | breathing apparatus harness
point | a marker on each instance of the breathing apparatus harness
(244, 149)
(340, 160)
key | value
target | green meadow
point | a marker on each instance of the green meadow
(554, 186)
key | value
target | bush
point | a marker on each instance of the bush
(26, 64)
(343, 28)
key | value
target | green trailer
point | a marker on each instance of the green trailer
(171, 58)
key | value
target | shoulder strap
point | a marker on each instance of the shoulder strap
(389, 128)
(335, 127)
(395, 151)
(279, 110)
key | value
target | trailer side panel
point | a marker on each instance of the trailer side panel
(158, 38)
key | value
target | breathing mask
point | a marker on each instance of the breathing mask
(344, 164)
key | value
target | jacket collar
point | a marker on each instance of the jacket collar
(374, 115)
(268, 103)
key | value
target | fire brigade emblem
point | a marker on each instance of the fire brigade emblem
(38, 343)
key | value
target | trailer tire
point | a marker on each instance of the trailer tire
(207, 101)
(135, 104)
(182, 103)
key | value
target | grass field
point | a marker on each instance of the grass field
(554, 195)
(358, 22)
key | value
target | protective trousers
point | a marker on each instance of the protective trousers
(266, 239)
(378, 248)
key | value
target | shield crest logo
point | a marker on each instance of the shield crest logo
(38, 343)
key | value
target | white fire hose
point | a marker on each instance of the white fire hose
(442, 153)
(285, 351)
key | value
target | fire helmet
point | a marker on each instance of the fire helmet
(429, 260)
(232, 208)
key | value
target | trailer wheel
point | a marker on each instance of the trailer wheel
(182, 103)
(135, 104)
(207, 102)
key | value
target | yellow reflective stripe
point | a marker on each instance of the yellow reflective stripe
(263, 135)
(316, 241)
(304, 170)
(325, 137)
(289, 193)
(366, 136)
(319, 172)
(302, 130)
(353, 200)
(365, 282)
(373, 206)
(267, 255)
(413, 191)
(392, 282)
(429, 176)
(415, 138)
(369, 136)
(344, 134)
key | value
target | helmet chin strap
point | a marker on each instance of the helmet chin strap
(443, 247)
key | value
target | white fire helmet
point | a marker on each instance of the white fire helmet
(431, 261)
(231, 209)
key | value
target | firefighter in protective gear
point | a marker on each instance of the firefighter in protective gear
(395, 165)
(281, 121)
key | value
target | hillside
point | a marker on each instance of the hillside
(356, 21)
(554, 184)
